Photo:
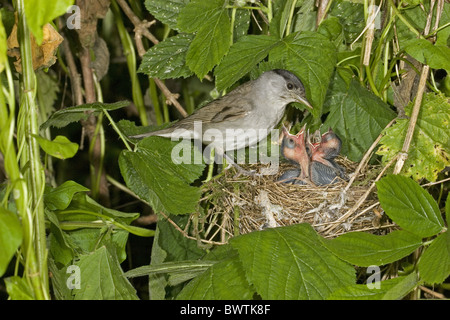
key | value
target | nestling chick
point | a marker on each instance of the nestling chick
(316, 160)
(293, 148)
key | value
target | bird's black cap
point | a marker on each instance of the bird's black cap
(289, 76)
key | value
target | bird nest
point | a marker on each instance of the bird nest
(234, 205)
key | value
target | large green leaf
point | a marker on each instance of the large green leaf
(299, 51)
(429, 152)
(63, 117)
(101, 278)
(194, 15)
(225, 280)
(166, 11)
(211, 41)
(10, 237)
(434, 264)
(291, 263)
(364, 249)
(243, 56)
(168, 58)
(41, 12)
(152, 174)
(356, 115)
(409, 205)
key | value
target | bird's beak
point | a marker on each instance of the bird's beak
(303, 100)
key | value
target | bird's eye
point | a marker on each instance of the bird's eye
(290, 86)
(290, 143)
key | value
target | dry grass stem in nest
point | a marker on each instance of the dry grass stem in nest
(239, 205)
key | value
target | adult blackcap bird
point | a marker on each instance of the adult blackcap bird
(242, 117)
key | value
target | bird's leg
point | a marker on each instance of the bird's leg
(221, 153)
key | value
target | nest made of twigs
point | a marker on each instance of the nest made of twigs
(242, 204)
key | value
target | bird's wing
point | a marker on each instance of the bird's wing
(230, 107)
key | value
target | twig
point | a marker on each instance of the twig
(367, 156)
(185, 234)
(362, 199)
(171, 97)
(141, 27)
(433, 293)
(403, 155)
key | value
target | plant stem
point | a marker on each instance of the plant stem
(291, 14)
(34, 174)
(130, 54)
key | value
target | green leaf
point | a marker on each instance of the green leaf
(351, 17)
(363, 292)
(433, 55)
(151, 173)
(60, 197)
(211, 42)
(430, 145)
(364, 249)
(176, 246)
(291, 263)
(225, 280)
(18, 288)
(356, 115)
(41, 12)
(401, 289)
(299, 51)
(63, 117)
(434, 264)
(196, 13)
(167, 59)
(60, 147)
(101, 278)
(166, 11)
(10, 237)
(409, 205)
(243, 56)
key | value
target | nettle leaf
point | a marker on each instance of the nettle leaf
(243, 56)
(375, 291)
(101, 278)
(356, 115)
(60, 197)
(364, 249)
(225, 280)
(63, 117)
(60, 147)
(299, 51)
(211, 42)
(403, 287)
(430, 145)
(434, 264)
(167, 59)
(409, 205)
(166, 11)
(291, 263)
(194, 15)
(10, 237)
(152, 173)
(41, 12)
(433, 55)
